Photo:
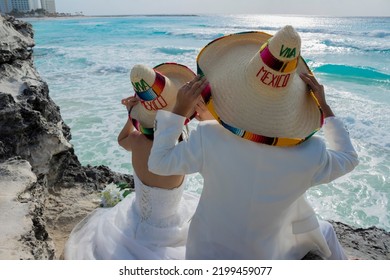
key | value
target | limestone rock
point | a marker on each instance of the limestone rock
(37, 160)
(16, 40)
(23, 234)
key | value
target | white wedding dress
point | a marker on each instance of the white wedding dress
(150, 223)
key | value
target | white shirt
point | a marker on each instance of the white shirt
(253, 202)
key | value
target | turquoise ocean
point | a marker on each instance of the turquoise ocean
(86, 63)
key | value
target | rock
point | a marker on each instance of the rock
(33, 133)
(23, 233)
(365, 244)
(31, 124)
(368, 244)
(44, 190)
(16, 40)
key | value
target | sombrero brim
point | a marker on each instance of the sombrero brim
(237, 100)
(177, 75)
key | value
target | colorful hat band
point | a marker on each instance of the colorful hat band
(273, 141)
(272, 62)
(147, 92)
(140, 128)
(148, 132)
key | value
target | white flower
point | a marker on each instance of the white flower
(113, 194)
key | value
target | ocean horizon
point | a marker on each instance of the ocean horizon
(86, 62)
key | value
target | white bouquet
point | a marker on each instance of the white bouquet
(114, 193)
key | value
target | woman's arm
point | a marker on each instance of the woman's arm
(124, 138)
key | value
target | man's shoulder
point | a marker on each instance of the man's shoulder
(212, 130)
(314, 144)
(209, 125)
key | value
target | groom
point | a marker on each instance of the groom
(259, 157)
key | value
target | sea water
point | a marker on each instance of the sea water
(86, 63)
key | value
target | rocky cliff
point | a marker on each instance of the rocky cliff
(43, 187)
(44, 190)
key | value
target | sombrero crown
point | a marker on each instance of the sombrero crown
(157, 89)
(255, 87)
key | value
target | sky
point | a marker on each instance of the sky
(297, 7)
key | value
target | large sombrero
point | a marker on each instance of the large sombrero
(157, 89)
(256, 91)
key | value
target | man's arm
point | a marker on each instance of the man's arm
(340, 156)
(169, 158)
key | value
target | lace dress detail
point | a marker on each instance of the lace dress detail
(157, 206)
(144, 203)
(151, 223)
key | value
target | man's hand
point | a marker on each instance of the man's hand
(318, 91)
(188, 96)
(202, 113)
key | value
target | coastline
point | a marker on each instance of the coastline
(41, 175)
(114, 16)
(49, 18)
(57, 191)
(37, 18)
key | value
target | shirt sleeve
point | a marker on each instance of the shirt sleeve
(168, 157)
(340, 157)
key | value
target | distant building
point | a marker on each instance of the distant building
(5, 6)
(20, 5)
(49, 6)
(35, 4)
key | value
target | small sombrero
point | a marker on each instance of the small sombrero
(157, 89)
(256, 91)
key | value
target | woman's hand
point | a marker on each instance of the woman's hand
(130, 102)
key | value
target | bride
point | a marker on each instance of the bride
(153, 221)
